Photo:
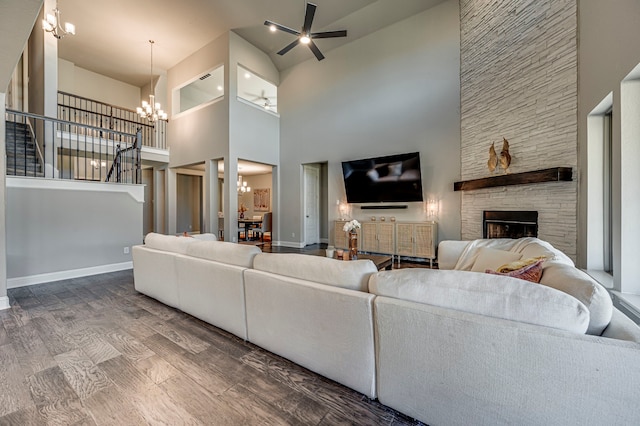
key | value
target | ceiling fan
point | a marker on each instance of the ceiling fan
(305, 36)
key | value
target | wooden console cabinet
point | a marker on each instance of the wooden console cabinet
(378, 237)
(410, 239)
(416, 239)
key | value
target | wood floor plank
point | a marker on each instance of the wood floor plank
(54, 336)
(4, 339)
(204, 406)
(158, 408)
(203, 374)
(82, 374)
(217, 337)
(14, 391)
(254, 410)
(110, 407)
(127, 345)
(32, 353)
(94, 346)
(125, 376)
(177, 335)
(300, 407)
(156, 368)
(54, 398)
(26, 416)
(138, 330)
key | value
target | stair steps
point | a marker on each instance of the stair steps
(21, 151)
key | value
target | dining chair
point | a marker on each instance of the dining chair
(265, 227)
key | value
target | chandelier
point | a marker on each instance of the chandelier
(242, 186)
(51, 24)
(151, 110)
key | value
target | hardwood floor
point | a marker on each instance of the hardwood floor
(93, 351)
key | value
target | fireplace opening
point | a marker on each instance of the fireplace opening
(509, 224)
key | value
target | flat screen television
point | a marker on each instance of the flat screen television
(394, 178)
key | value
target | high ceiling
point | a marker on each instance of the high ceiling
(112, 37)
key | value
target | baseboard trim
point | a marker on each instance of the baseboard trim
(65, 275)
(4, 303)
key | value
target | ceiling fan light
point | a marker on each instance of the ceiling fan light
(305, 39)
(272, 28)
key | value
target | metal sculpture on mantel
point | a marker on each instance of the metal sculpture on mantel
(505, 157)
(493, 158)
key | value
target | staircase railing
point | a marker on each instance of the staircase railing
(69, 150)
(82, 110)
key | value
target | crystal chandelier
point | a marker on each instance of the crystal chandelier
(51, 24)
(242, 186)
(151, 110)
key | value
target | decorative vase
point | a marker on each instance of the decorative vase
(353, 245)
(241, 215)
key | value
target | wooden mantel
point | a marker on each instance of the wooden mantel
(555, 174)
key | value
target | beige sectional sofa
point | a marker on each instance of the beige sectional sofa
(443, 346)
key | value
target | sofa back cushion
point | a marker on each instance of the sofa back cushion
(169, 243)
(353, 274)
(578, 284)
(484, 294)
(205, 237)
(224, 252)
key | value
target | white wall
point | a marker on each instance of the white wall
(79, 81)
(59, 228)
(394, 91)
(608, 52)
(201, 133)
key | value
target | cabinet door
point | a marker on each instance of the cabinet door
(369, 234)
(386, 240)
(339, 236)
(404, 239)
(424, 238)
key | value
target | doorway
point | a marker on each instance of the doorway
(189, 203)
(315, 203)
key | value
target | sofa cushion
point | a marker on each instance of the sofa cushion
(206, 237)
(490, 258)
(224, 252)
(169, 243)
(578, 284)
(483, 294)
(352, 274)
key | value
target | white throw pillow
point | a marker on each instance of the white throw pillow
(489, 258)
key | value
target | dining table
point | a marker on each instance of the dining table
(246, 225)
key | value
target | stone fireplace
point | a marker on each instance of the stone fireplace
(514, 84)
(509, 224)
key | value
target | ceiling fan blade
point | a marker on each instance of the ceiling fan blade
(308, 18)
(315, 50)
(330, 34)
(288, 47)
(282, 28)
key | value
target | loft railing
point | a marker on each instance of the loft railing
(78, 109)
(53, 148)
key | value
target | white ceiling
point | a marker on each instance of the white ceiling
(112, 37)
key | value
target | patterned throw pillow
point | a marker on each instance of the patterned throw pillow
(528, 269)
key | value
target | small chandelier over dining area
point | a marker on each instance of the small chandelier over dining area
(152, 110)
(51, 24)
(242, 186)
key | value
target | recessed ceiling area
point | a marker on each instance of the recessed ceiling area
(112, 38)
